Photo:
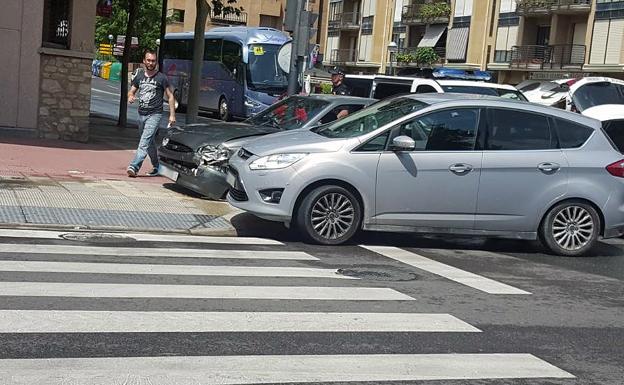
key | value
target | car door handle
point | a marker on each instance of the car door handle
(460, 168)
(548, 167)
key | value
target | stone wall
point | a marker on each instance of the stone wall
(65, 97)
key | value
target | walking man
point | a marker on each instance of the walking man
(151, 85)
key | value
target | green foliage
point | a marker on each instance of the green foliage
(424, 56)
(430, 11)
(533, 3)
(147, 26)
(326, 88)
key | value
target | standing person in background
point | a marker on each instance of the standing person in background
(151, 86)
(339, 88)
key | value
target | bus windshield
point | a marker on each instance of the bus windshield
(263, 72)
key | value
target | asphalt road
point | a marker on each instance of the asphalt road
(105, 103)
(414, 309)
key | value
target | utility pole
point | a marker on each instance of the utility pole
(294, 8)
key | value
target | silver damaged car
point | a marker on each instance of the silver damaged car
(440, 163)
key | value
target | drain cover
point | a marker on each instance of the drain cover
(378, 274)
(96, 237)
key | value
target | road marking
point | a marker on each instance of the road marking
(154, 252)
(110, 290)
(263, 369)
(43, 234)
(105, 92)
(55, 321)
(145, 269)
(475, 281)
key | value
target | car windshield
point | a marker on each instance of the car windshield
(502, 92)
(290, 113)
(597, 94)
(263, 71)
(371, 118)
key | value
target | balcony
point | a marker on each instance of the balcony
(345, 21)
(343, 56)
(228, 18)
(426, 13)
(546, 7)
(547, 57)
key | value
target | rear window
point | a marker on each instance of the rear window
(571, 135)
(615, 131)
(597, 94)
(384, 90)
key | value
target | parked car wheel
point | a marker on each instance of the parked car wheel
(570, 228)
(329, 215)
(223, 112)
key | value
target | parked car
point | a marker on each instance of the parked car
(440, 163)
(481, 88)
(592, 94)
(381, 87)
(195, 156)
(547, 92)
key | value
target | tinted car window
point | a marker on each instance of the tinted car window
(597, 94)
(178, 49)
(518, 130)
(212, 50)
(290, 113)
(570, 134)
(232, 55)
(615, 131)
(333, 114)
(448, 130)
(371, 118)
(425, 89)
(384, 90)
(470, 90)
(359, 87)
(378, 143)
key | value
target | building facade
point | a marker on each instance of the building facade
(46, 78)
(516, 39)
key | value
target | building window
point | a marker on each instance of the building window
(175, 16)
(270, 21)
(56, 23)
(367, 25)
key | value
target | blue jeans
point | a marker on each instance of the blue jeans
(148, 127)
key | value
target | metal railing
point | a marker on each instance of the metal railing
(229, 18)
(548, 56)
(541, 7)
(345, 20)
(411, 14)
(342, 56)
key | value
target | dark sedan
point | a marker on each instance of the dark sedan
(195, 156)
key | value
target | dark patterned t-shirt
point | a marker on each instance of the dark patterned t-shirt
(151, 92)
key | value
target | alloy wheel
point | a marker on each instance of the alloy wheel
(573, 228)
(332, 215)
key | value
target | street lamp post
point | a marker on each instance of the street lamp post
(392, 48)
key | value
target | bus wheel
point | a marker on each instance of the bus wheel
(224, 110)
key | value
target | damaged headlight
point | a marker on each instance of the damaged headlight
(213, 155)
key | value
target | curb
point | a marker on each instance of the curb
(222, 232)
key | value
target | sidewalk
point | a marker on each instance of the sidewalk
(67, 185)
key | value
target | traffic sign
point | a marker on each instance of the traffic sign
(105, 49)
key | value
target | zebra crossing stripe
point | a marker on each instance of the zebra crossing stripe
(45, 234)
(263, 369)
(154, 252)
(113, 290)
(70, 321)
(145, 269)
(475, 281)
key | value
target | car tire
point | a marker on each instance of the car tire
(329, 215)
(223, 110)
(570, 229)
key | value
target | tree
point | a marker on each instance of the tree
(130, 18)
(203, 10)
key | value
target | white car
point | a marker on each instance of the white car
(547, 92)
(601, 98)
(481, 88)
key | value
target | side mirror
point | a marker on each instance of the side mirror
(403, 143)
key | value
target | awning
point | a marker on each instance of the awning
(432, 35)
(457, 43)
